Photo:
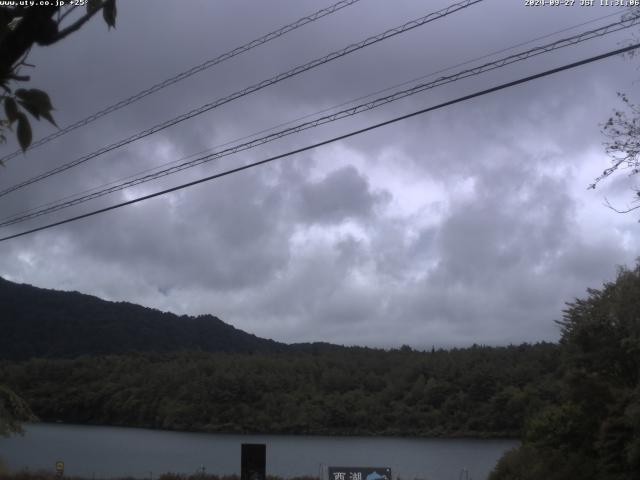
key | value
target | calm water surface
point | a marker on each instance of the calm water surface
(104, 452)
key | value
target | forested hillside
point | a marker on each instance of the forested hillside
(591, 429)
(477, 391)
(576, 404)
(37, 322)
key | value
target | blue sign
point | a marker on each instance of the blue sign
(359, 473)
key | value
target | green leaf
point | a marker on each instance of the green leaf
(47, 116)
(36, 102)
(24, 131)
(32, 109)
(41, 99)
(109, 13)
(10, 109)
(36, 97)
(4, 28)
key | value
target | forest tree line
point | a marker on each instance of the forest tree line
(476, 391)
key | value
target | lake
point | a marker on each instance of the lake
(104, 452)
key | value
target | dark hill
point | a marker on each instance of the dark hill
(38, 322)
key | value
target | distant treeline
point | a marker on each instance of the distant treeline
(476, 391)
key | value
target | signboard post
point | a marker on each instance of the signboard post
(59, 468)
(253, 461)
(359, 473)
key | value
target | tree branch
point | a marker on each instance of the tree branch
(17, 42)
(62, 17)
(608, 205)
(77, 24)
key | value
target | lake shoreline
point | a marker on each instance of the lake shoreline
(105, 452)
(48, 475)
(461, 436)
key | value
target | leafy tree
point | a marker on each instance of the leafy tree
(20, 28)
(592, 430)
(622, 131)
(13, 411)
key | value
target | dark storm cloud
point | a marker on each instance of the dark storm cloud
(341, 195)
(226, 237)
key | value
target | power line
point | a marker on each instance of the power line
(188, 73)
(500, 63)
(303, 117)
(309, 115)
(258, 86)
(332, 140)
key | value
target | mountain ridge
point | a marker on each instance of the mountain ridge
(41, 322)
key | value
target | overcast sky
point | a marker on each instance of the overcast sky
(468, 224)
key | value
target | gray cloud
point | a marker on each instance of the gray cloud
(342, 194)
(469, 224)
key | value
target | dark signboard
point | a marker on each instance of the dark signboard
(359, 473)
(253, 461)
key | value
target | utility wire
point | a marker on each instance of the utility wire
(500, 63)
(258, 86)
(332, 140)
(309, 115)
(192, 71)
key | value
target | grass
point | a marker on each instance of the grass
(44, 475)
